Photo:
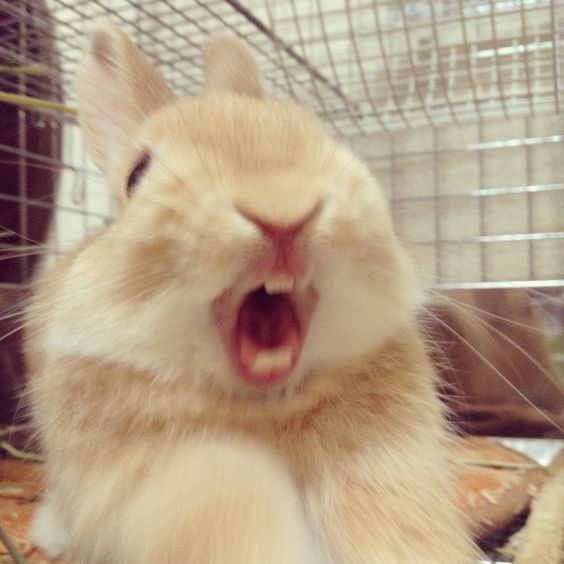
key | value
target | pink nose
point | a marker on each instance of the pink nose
(281, 233)
(286, 256)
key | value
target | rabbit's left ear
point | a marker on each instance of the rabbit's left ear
(230, 67)
(117, 89)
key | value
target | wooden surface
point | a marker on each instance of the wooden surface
(20, 487)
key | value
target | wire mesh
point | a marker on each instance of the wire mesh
(456, 105)
(363, 66)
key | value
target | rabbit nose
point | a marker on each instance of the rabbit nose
(287, 256)
(281, 234)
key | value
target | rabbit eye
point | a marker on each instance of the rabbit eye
(138, 171)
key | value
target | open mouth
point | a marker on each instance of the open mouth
(264, 330)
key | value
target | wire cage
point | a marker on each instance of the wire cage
(455, 105)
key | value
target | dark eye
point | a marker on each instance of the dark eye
(138, 171)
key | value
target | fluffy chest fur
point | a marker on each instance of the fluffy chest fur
(379, 399)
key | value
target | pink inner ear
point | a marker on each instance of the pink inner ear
(103, 51)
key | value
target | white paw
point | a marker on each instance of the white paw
(48, 532)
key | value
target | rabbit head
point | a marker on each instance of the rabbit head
(252, 250)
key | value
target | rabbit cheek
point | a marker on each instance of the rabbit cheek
(140, 270)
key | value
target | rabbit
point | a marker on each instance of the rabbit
(231, 372)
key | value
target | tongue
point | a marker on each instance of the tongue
(268, 337)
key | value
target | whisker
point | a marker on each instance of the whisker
(557, 299)
(498, 372)
(551, 377)
(19, 235)
(464, 305)
(21, 255)
(58, 169)
(10, 315)
(524, 352)
(12, 332)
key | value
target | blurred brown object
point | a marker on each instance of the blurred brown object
(492, 495)
(30, 142)
(498, 377)
(21, 483)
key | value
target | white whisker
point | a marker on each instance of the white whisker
(498, 372)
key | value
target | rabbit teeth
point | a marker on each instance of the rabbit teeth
(269, 361)
(279, 285)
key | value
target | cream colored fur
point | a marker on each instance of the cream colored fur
(157, 451)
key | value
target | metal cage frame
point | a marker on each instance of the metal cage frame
(413, 86)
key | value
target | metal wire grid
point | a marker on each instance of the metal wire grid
(367, 68)
(479, 205)
(363, 66)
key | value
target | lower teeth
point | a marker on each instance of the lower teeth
(275, 360)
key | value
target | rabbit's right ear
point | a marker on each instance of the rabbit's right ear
(117, 89)
(229, 66)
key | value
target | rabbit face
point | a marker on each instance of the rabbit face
(253, 250)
